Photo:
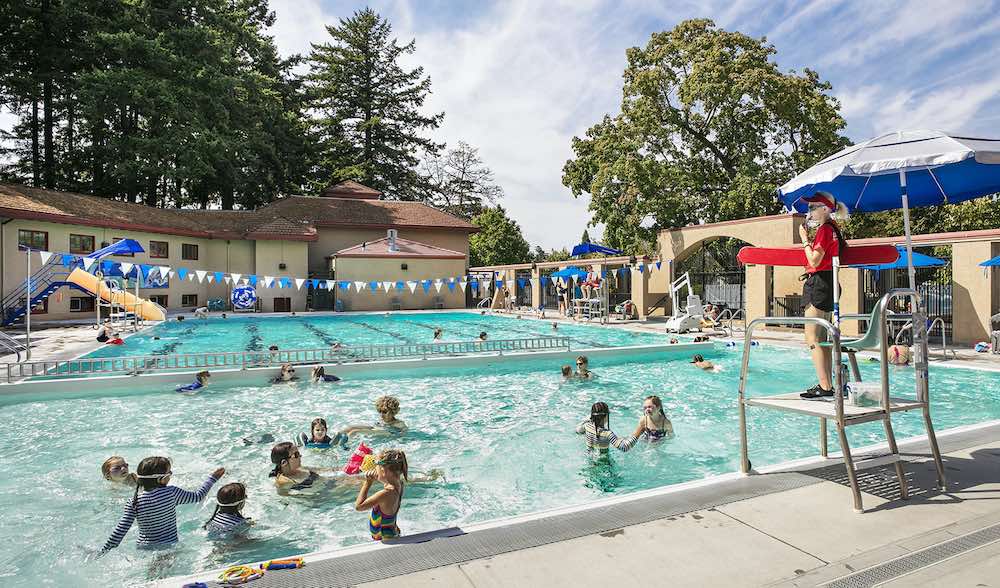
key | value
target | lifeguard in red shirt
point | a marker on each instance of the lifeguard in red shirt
(817, 291)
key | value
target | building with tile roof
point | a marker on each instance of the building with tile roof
(294, 236)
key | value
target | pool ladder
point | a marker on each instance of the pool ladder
(845, 416)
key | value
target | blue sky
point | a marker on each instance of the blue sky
(519, 79)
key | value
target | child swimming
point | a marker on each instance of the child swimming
(318, 438)
(598, 432)
(482, 336)
(700, 362)
(567, 372)
(200, 381)
(388, 408)
(438, 333)
(228, 519)
(115, 469)
(155, 508)
(390, 470)
(654, 424)
(319, 375)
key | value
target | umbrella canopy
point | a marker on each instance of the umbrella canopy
(123, 247)
(994, 262)
(939, 169)
(569, 272)
(585, 248)
(919, 260)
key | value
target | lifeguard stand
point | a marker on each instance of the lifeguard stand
(834, 409)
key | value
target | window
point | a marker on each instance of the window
(160, 249)
(189, 251)
(117, 239)
(33, 239)
(282, 305)
(189, 300)
(81, 243)
(160, 299)
(81, 304)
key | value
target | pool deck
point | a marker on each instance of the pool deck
(790, 526)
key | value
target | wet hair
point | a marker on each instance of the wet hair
(697, 358)
(386, 404)
(230, 498)
(582, 358)
(318, 372)
(149, 475)
(567, 370)
(106, 466)
(482, 335)
(202, 375)
(272, 348)
(280, 453)
(657, 403)
(599, 415)
(437, 332)
(312, 427)
(394, 460)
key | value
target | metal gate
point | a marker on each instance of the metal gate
(716, 275)
(933, 283)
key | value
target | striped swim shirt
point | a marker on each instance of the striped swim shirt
(156, 514)
(227, 522)
(604, 438)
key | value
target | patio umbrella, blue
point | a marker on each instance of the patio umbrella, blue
(919, 260)
(569, 272)
(122, 247)
(585, 248)
(900, 170)
(992, 262)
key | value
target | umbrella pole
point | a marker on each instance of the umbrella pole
(836, 291)
(906, 230)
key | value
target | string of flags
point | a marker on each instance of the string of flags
(161, 273)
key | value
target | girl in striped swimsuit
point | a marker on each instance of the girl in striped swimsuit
(155, 508)
(391, 470)
(228, 519)
(598, 431)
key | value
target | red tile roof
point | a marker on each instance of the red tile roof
(383, 214)
(350, 189)
(405, 249)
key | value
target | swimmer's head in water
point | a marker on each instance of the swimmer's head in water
(115, 468)
(555, 326)
(599, 415)
(272, 348)
(318, 372)
(284, 455)
(652, 404)
(482, 335)
(203, 376)
(318, 429)
(582, 362)
(229, 499)
(697, 358)
(387, 406)
(567, 370)
(394, 462)
(153, 472)
(437, 333)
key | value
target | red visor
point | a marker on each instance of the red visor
(822, 199)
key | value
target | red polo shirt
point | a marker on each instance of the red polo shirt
(826, 240)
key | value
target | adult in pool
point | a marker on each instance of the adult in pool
(115, 469)
(290, 475)
(598, 431)
(388, 408)
(319, 375)
(200, 381)
(700, 362)
(102, 333)
(583, 368)
(654, 424)
(287, 374)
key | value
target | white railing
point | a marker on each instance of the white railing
(10, 345)
(136, 365)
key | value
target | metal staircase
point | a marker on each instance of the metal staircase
(44, 282)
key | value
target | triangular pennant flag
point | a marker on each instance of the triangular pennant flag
(286, 282)
(427, 286)
(236, 278)
(373, 285)
(658, 264)
(127, 268)
(521, 282)
(329, 284)
(474, 284)
(463, 284)
(400, 285)
(201, 275)
(218, 277)
(87, 262)
(182, 272)
(359, 286)
(191, 277)
(211, 278)
(107, 266)
(344, 285)
(170, 274)
(298, 283)
(164, 270)
(46, 256)
(386, 286)
(576, 278)
(451, 286)
(268, 280)
(68, 260)
(253, 280)
(555, 281)
(437, 285)
(227, 279)
(412, 286)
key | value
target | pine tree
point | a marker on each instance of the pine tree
(369, 122)
(585, 238)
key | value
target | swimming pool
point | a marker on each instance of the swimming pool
(320, 331)
(502, 433)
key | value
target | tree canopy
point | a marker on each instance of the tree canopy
(459, 181)
(709, 126)
(499, 240)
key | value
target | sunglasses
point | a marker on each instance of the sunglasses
(581, 363)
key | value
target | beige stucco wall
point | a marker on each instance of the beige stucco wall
(333, 239)
(389, 270)
(268, 257)
(975, 292)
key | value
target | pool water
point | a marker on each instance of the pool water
(254, 333)
(503, 435)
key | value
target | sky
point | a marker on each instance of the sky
(518, 79)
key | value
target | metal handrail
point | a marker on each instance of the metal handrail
(12, 345)
(937, 322)
(136, 365)
(36, 278)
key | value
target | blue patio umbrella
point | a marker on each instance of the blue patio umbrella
(122, 247)
(569, 272)
(992, 262)
(919, 260)
(585, 248)
(901, 170)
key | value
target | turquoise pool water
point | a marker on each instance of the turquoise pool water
(250, 333)
(503, 434)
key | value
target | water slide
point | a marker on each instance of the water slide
(149, 311)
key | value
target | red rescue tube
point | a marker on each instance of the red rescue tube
(796, 256)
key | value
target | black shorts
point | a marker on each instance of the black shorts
(818, 291)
